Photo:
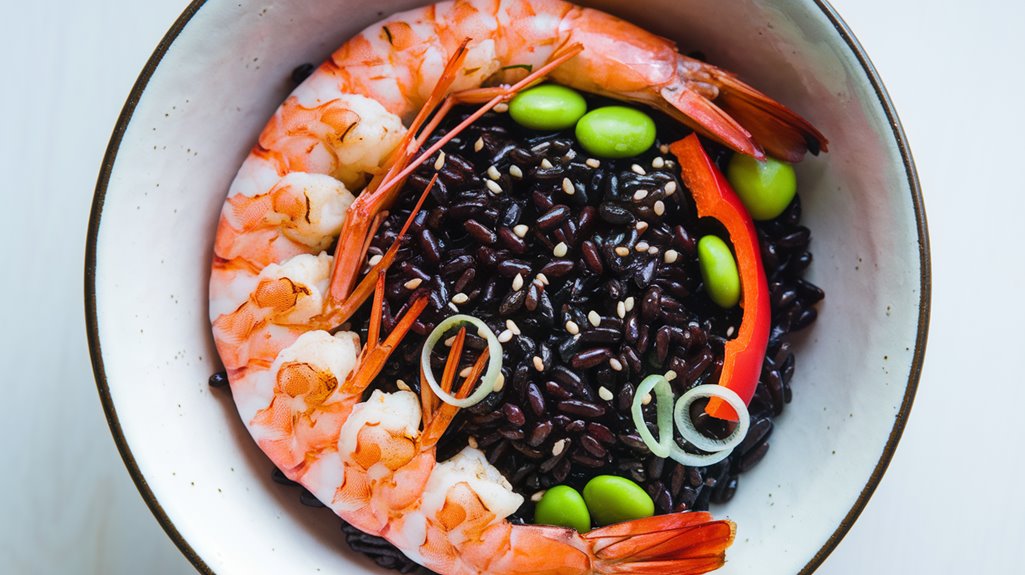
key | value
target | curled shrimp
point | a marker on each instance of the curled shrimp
(280, 297)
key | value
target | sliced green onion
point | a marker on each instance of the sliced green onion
(718, 449)
(697, 459)
(690, 432)
(663, 413)
(665, 446)
(487, 383)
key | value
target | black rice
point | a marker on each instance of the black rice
(594, 301)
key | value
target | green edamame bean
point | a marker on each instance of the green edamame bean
(616, 132)
(612, 499)
(719, 271)
(765, 186)
(563, 506)
(547, 107)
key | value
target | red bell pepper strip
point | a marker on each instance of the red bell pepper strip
(742, 364)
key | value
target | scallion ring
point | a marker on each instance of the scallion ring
(663, 411)
(690, 433)
(697, 459)
(487, 383)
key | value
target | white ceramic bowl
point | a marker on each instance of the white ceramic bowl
(196, 110)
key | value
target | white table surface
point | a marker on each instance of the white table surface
(952, 501)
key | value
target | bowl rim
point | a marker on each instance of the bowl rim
(900, 421)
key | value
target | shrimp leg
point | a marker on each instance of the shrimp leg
(436, 420)
(339, 315)
(361, 212)
(375, 353)
(378, 195)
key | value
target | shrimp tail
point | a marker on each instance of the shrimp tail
(781, 132)
(679, 543)
(740, 116)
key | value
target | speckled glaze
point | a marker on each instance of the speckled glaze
(198, 106)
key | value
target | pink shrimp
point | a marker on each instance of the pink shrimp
(450, 516)
(277, 298)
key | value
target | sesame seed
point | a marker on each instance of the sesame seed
(615, 364)
(621, 309)
(570, 154)
(604, 393)
(440, 162)
(501, 108)
(664, 149)
(594, 318)
(572, 328)
(671, 256)
(472, 442)
(558, 447)
(670, 188)
(511, 326)
(450, 341)
(670, 375)
(641, 225)
(460, 298)
(730, 331)
(592, 163)
(539, 364)
(413, 283)
(403, 386)
(659, 208)
(622, 251)
(657, 162)
(521, 230)
(453, 307)
(517, 283)
(482, 332)
(537, 495)
(505, 337)
(478, 145)
(375, 259)
(493, 173)
(567, 186)
(653, 251)
(560, 250)
(640, 195)
(630, 301)
(642, 246)
(538, 283)
(543, 279)
(646, 399)
(493, 186)
(637, 169)
(546, 164)
(499, 382)
(465, 372)
(515, 171)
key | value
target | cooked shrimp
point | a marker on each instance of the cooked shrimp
(374, 464)
(300, 214)
(451, 516)
(398, 60)
(277, 298)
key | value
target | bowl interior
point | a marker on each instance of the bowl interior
(199, 108)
